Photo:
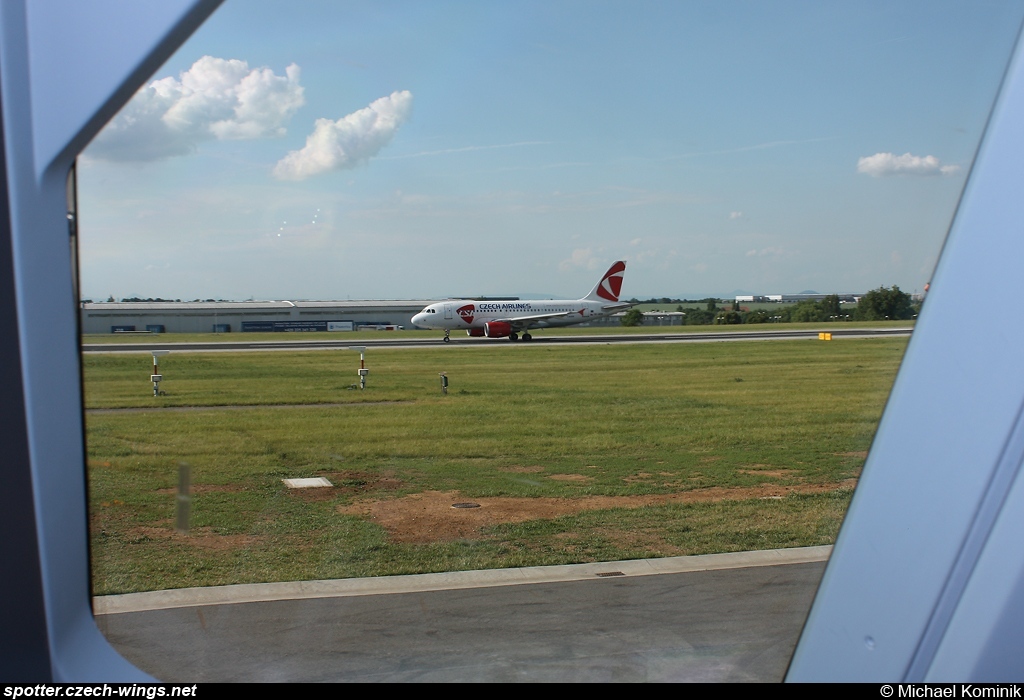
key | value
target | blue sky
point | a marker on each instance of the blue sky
(328, 150)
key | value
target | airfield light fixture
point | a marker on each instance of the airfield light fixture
(361, 349)
(156, 377)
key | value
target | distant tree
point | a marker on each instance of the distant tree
(110, 299)
(633, 317)
(806, 312)
(830, 307)
(712, 304)
(880, 304)
(728, 318)
(757, 316)
(735, 305)
(699, 317)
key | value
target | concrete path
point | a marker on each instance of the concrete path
(724, 617)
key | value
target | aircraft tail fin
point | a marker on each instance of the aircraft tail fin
(608, 288)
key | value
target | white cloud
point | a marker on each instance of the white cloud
(645, 255)
(753, 253)
(735, 214)
(636, 241)
(581, 257)
(214, 99)
(882, 164)
(354, 139)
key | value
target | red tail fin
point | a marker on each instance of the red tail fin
(609, 286)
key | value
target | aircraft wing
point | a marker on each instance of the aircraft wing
(523, 322)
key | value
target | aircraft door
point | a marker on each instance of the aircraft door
(447, 311)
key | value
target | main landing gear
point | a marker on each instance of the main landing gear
(513, 337)
(446, 338)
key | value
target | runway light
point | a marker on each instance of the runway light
(361, 349)
(156, 377)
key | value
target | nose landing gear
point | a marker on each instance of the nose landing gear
(446, 338)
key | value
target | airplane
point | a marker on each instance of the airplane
(507, 319)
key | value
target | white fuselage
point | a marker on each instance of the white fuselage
(507, 319)
(468, 314)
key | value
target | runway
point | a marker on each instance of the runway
(457, 341)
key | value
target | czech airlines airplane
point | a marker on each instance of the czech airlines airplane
(507, 319)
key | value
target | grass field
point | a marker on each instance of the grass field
(575, 453)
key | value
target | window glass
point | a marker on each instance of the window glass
(324, 172)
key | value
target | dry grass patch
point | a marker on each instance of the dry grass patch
(429, 516)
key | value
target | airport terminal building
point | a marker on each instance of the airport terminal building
(246, 316)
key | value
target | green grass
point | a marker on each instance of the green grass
(624, 420)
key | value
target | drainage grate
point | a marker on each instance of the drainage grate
(465, 505)
(605, 574)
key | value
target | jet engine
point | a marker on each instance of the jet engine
(497, 329)
(475, 332)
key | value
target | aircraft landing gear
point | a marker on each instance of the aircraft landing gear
(527, 336)
(446, 338)
(513, 337)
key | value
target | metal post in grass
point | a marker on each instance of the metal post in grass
(156, 377)
(361, 349)
(183, 501)
(444, 382)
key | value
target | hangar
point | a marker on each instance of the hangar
(241, 316)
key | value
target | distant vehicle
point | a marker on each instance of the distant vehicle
(507, 319)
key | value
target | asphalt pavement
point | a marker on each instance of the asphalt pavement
(396, 341)
(722, 617)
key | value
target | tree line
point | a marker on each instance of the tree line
(877, 305)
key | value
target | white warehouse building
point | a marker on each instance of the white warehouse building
(245, 316)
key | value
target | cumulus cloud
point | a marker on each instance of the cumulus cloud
(214, 99)
(882, 164)
(354, 139)
(754, 253)
(735, 214)
(581, 257)
(772, 253)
